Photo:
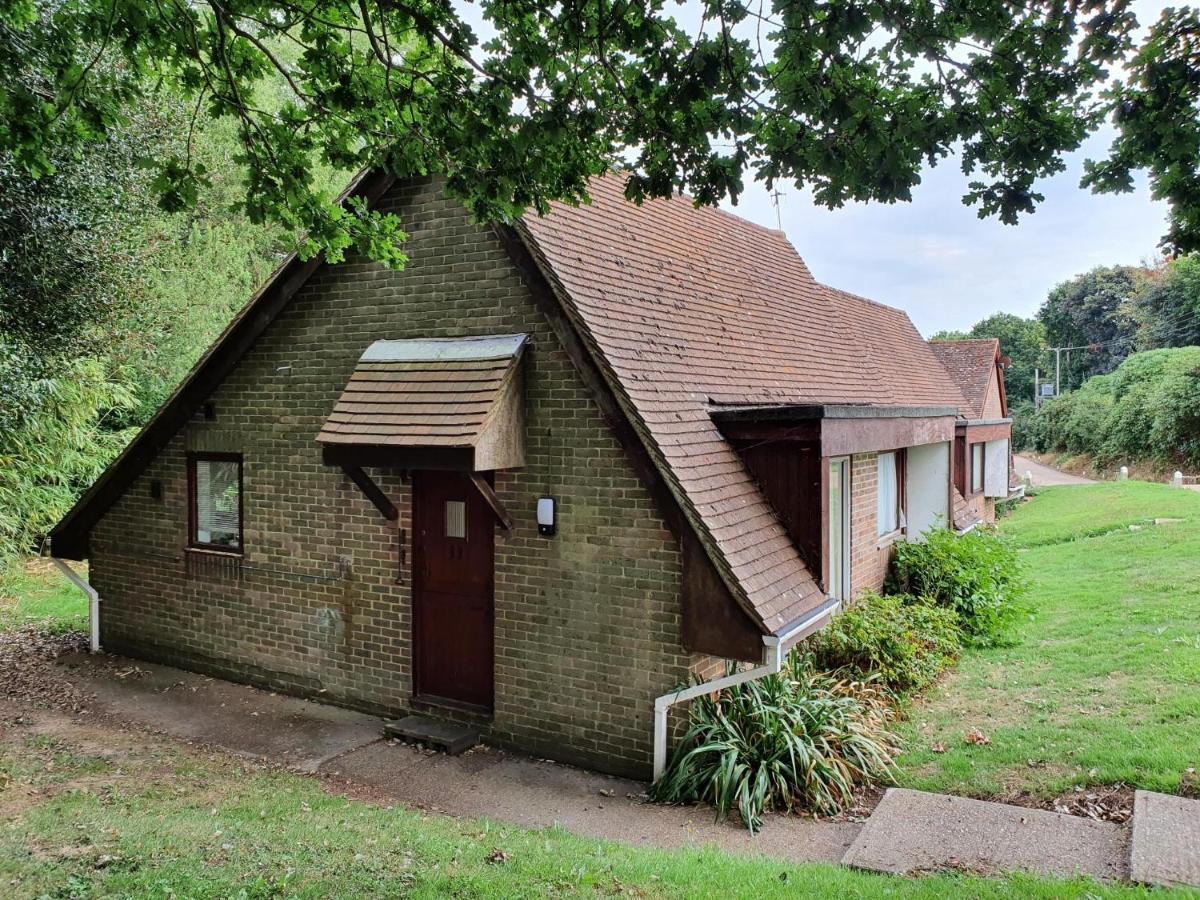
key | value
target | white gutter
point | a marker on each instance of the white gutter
(775, 647)
(93, 601)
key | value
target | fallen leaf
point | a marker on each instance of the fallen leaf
(977, 737)
(939, 747)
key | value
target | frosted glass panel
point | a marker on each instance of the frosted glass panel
(456, 519)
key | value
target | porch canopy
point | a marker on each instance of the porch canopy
(432, 403)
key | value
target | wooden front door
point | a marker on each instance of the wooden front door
(452, 589)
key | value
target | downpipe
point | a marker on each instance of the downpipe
(775, 648)
(93, 602)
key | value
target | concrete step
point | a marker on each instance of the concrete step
(1166, 840)
(914, 831)
(449, 737)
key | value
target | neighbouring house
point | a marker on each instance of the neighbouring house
(983, 469)
(537, 481)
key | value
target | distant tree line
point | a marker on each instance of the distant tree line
(1110, 314)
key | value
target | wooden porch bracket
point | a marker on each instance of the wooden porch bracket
(489, 494)
(374, 493)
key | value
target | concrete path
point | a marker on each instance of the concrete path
(507, 787)
(913, 831)
(235, 717)
(1166, 840)
(1045, 476)
(349, 748)
(909, 832)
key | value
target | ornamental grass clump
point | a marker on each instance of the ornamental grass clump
(798, 739)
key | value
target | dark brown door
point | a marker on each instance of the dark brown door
(452, 589)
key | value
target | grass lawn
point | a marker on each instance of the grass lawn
(151, 821)
(37, 593)
(1102, 685)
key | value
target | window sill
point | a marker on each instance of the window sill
(886, 540)
(214, 551)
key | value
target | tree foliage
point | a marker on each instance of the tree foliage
(1091, 312)
(1166, 310)
(1156, 111)
(106, 302)
(53, 446)
(519, 102)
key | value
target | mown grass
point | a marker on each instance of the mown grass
(1100, 687)
(173, 825)
(1071, 512)
(36, 593)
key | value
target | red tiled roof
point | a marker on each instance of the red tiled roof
(685, 307)
(970, 365)
(964, 517)
(424, 393)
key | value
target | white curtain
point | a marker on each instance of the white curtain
(887, 516)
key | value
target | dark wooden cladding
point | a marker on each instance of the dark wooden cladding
(713, 622)
(845, 436)
(789, 474)
(996, 431)
(459, 459)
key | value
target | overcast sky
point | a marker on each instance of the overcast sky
(933, 257)
(947, 268)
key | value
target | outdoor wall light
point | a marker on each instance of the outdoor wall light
(545, 515)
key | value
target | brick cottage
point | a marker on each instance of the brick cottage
(537, 481)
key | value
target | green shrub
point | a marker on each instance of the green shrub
(1148, 408)
(787, 740)
(902, 642)
(978, 575)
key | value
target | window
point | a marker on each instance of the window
(889, 514)
(215, 499)
(976, 468)
(456, 519)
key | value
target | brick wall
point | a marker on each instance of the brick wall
(586, 623)
(868, 560)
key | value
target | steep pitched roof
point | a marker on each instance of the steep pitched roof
(686, 308)
(682, 309)
(970, 365)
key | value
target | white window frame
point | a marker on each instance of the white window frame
(834, 589)
(976, 487)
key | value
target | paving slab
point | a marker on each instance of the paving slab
(532, 793)
(234, 717)
(1166, 840)
(913, 831)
